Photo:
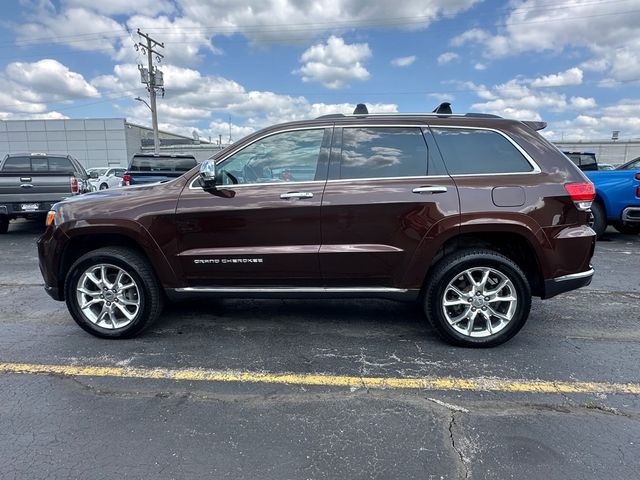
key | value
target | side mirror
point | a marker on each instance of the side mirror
(208, 174)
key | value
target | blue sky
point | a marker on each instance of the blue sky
(572, 63)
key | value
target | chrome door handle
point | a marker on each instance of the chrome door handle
(26, 185)
(288, 195)
(437, 189)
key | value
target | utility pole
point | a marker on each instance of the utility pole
(152, 77)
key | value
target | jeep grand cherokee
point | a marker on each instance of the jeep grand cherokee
(471, 215)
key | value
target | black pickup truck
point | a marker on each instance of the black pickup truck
(157, 167)
(30, 183)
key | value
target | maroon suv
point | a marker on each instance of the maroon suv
(472, 215)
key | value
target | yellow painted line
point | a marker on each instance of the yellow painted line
(325, 380)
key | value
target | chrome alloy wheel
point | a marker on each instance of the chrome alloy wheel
(108, 296)
(479, 302)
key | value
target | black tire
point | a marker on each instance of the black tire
(137, 267)
(454, 265)
(104, 186)
(627, 229)
(4, 224)
(599, 219)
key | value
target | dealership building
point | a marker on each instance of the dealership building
(96, 142)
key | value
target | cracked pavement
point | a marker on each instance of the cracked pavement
(60, 427)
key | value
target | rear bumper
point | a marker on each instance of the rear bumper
(566, 283)
(631, 215)
(15, 209)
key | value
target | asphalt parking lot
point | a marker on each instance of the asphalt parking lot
(320, 389)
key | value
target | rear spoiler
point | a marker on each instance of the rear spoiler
(536, 125)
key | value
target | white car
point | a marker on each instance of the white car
(112, 178)
(94, 173)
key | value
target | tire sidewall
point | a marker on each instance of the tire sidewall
(436, 315)
(71, 283)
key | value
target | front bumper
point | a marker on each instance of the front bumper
(566, 283)
(50, 246)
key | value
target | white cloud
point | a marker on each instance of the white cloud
(516, 99)
(99, 33)
(608, 30)
(447, 57)
(573, 76)
(335, 63)
(480, 66)
(582, 103)
(124, 7)
(403, 61)
(50, 77)
(193, 97)
(28, 88)
(296, 20)
(183, 38)
(623, 116)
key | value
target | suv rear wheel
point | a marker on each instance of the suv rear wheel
(477, 298)
(113, 293)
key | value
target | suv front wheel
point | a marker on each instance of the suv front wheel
(477, 298)
(113, 293)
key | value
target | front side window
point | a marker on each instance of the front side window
(282, 157)
(379, 152)
(469, 151)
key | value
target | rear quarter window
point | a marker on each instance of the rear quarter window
(162, 164)
(469, 151)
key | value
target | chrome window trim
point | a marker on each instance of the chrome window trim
(268, 134)
(536, 168)
(377, 179)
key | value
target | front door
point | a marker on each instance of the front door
(386, 194)
(261, 226)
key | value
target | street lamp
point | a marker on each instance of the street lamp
(143, 101)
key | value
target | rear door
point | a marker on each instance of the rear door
(386, 194)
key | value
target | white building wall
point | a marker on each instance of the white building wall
(95, 142)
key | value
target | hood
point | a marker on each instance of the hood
(125, 203)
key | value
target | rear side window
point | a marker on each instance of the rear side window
(162, 164)
(469, 151)
(379, 152)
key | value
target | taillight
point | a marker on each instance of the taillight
(74, 185)
(581, 193)
(638, 192)
(637, 176)
(126, 180)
